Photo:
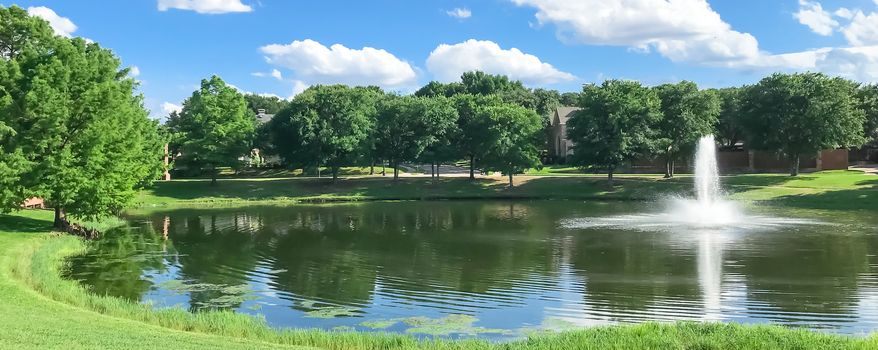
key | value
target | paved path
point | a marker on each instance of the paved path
(871, 169)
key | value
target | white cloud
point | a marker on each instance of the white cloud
(460, 13)
(274, 74)
(815, 17)
(314, 63)
(681, 30)
(298, 87)
(62, 26)
(448, 62)
(863, 29)
(168, 107)
(844, 13)
(211, 7)
(134, 71)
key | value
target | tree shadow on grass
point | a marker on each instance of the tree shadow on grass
(15, 223)
(863, 198)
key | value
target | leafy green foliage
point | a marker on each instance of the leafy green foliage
(687, 115)
(214, 128)
(326, 125)
(407, 126)
(800, 114)
(614, 125)
(72, 129)
(514, 136)
(867, 97)
(728, 128)
(271, 104)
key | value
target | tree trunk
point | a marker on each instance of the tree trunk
(610, 171)
(437, 169)
(510, 179)
(668, 166)
(432, 170)
(395, 171)
(335, 173)
(673, 165)
(794, 165)
(213, 176)
(372, 167)
(472, 167)
(383, 169)
(60, 217)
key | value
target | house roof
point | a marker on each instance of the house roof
(564, 113)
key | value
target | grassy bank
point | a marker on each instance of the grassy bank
(825, 190)
(40, 310)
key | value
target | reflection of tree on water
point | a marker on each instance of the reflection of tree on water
(122, 260)
(466, 257)
(807, 277)
(629, 274)
(213, 250)
(336, 254)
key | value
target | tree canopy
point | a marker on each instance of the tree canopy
(408, 125)
(72, 128)
(614, 125)
(214, 129)
(687, 115)
(802, 113)
(515, 134)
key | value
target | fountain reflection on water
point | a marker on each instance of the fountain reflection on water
(709, 219)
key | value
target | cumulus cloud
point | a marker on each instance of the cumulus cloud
(863, 29)
(314, 63)
(211, 7)
(168, 107)
(62, 26)
(460, 13)
(274, 74)
(681, 30)
(134, 71)
(448, 62)
(815, 17)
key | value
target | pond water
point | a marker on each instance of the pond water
(496, 270)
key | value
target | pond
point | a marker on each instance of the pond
(496, 270)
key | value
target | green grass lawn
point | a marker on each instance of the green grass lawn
(847, 190)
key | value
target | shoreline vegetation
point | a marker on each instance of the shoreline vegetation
(829, 190)
(33, 294)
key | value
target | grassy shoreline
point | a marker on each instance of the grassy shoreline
(845, 190)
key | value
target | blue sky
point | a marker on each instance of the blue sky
(281, 46)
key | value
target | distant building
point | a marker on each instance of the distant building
(559, 146)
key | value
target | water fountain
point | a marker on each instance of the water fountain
(708, 211)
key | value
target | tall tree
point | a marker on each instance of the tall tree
(328, 125)
(214, 129)
(801, 114)
(407, 126)
(728, 127)
(474, 128)
(435, 88)
(867, 98)
(72, 129)
(687, 115)
(513, 141)
(614, 125)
